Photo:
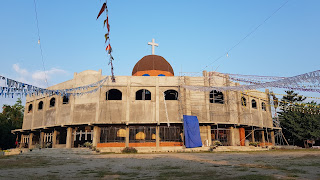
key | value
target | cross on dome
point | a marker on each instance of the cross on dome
(153, 44)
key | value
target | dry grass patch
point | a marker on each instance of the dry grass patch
(23, 162)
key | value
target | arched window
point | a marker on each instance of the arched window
(40, 105)
(171, 95)
(216, 97)
(145, 75)
(52, 102)
(113, 94)
(243, 101)
(263, 106)
(30, 108)
(143, 94)
(254, 104)
(161, 75)
(65, 100)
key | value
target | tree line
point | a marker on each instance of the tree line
(11, 118)
(299, 120)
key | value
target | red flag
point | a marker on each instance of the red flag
(108, 26)
(108, 47)
(102, 9)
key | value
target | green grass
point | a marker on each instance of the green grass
(166, 167)
(106, 173)
(45, 177)
(255, 177)
(139, 168)
(187, 175)
(23, 162)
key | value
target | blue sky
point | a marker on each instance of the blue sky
(191, 34)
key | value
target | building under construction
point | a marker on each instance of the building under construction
(146, 111)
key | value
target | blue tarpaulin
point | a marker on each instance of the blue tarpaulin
(191, 131)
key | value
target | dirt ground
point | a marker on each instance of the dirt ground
(84, 164)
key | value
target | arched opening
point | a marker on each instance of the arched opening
(216, 97)
(40, 105)
(161, 75)
(113, 94)
(29, 108)
(52, 102)
(263, 106)
(143, 94)
(65, 100)
(254, 104)
(171, 95)
(243, 101)
(145, 75)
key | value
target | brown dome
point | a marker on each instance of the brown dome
(152, 62)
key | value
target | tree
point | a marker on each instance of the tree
(11, 118)
(299, 121)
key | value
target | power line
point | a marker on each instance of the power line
(44, 69)
(245, 37)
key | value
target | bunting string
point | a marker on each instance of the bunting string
(15, 88)
(292, 83)
(104, 8)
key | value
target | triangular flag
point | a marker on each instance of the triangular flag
(107, 37)
(108, 47)
(108, 26)
(102, 9)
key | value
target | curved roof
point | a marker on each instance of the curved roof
(152, 62)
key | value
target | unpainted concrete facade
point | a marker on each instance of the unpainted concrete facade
(87, 114)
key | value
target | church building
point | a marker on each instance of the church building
(146, 111)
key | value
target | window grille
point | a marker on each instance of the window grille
(216, 97)
(171, 133)
(113, 134)
(143, 94)
(141, 134)
(171, 95)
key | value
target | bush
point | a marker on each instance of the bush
(87, 144)
(254, 144)
(129, 150)
(216, 143)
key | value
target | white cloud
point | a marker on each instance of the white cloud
(17, 68)
(38, 78)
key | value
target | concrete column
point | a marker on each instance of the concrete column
(187, 96)
(30, 140)
(69, 138)
(41, 139)
(252, 136)
(207, 95)
(127, 136)
(101, 96)
(54, 138)
(157, 138)
(209, 135)
(128, 99)
(158, 94)
(21, 140)
(262, 136)
(232, 138)
(96, 135)
(272, 138)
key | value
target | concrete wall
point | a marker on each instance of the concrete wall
(95, 109)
